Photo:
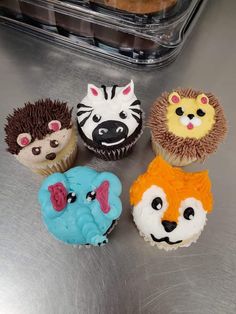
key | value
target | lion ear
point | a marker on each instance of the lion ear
(202, 99)
(174, 98)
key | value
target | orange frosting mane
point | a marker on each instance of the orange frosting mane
(177, 185)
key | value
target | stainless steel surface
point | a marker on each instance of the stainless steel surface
(41, 275)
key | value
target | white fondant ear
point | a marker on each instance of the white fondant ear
(128, 90)
(174, 98)
(202, 99)
(93, 91)
(54, 125)
(23, 139)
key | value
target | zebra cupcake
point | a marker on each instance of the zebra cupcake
(110, 120)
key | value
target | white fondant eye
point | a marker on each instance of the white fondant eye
(188, 213)
(123, 115)
(96, 118)
(23, 139)
(157, 203)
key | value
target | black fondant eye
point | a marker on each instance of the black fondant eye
(200, 113)
(36, 150)
(179, 111)
(123, 115)
(54, 143)
(157, 203)
(91, 196)
(71, 197)
(188, 213)
(96, 118)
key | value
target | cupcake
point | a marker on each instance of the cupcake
(41, 136)
(138, 6)
(186, 126)
(110, 120)
(81, 206)
(170, 205)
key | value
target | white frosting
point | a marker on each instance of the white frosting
(195, 121)
(109, 110)
(149, 220)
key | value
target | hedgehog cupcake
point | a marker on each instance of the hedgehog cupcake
(110, 120)
(170, 206)
(42, 137)
(186, 126)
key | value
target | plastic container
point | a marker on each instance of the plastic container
(102, 27)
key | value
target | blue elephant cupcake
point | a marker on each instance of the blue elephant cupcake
(81, 205)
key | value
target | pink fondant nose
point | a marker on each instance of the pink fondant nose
(190, 126)
(102, 193)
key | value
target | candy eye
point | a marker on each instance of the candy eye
(36, 150)
(188, 213)
(157, 203)
(123, 115)
(96, 118)
(200, 113)
(54, 143)
(91, 196)
(179, 111)
(71, 197)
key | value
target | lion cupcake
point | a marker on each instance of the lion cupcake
(41, 136)
(186, 126)
(170, 206)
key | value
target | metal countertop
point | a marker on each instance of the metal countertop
(41, 275)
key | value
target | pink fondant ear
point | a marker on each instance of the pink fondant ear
(128, 89)
(174, 98)
(23, 139)
(93, 90)
(202, 99)
(54, 125)
(58, 196)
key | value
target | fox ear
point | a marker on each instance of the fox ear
(159, 165)
(202, 183)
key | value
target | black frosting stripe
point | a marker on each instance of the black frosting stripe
(138, 111)
(135, 103)
(113, 91)
(82, 123)
(136, 118)
(79, 113)
(105, 91)
(80, 105)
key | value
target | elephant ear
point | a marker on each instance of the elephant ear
(52, 195)
(108, 189)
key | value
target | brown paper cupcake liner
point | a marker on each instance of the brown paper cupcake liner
(170, 158)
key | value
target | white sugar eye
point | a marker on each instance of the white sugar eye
(102, 131)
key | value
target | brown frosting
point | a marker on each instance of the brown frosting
(33, 118)
(186, 147)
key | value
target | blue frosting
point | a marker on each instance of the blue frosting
(82, 221)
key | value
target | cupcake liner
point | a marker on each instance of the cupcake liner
(170, 158)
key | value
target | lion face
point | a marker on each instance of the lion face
(189, 117)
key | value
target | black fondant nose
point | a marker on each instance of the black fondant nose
(191, 116)
(169, 225)
(109, 132)
(50, 156)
